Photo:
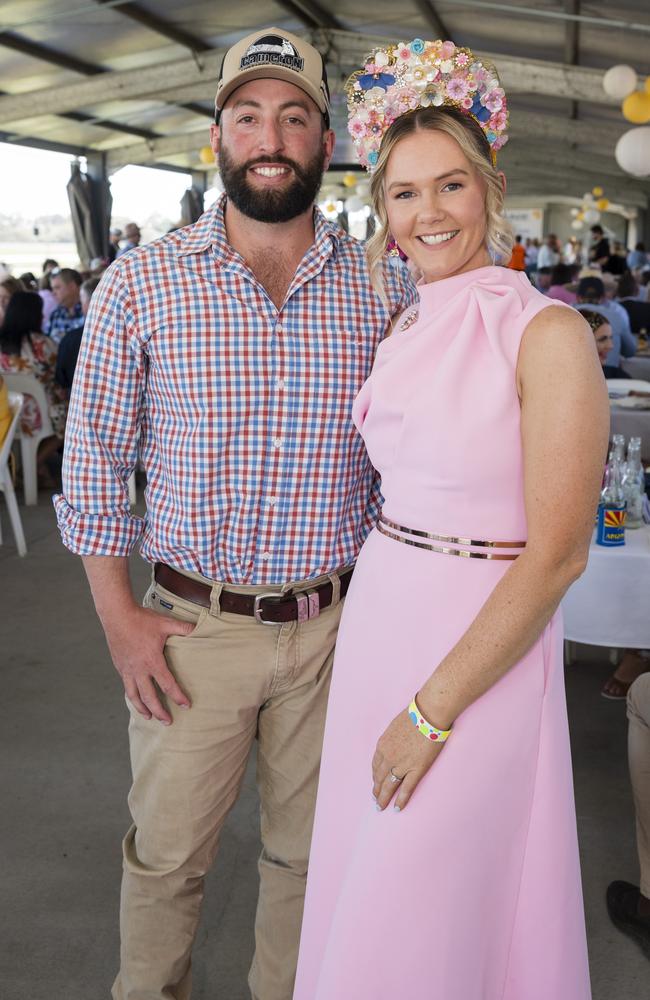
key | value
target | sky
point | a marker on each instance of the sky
(34, 184)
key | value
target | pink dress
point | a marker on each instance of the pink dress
(473, 892)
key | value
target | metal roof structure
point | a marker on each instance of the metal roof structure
(133, 82)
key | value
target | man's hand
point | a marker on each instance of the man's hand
(136, 641)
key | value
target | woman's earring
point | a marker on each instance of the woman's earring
(393, 250)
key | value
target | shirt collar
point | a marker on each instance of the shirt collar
(210, 232)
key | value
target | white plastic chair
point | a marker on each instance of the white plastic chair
(26, 383)
(6, 485)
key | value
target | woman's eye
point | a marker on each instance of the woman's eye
(452, 186)
(404, 194)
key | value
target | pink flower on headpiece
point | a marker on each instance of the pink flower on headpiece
(403, 53)
(462, 59)
(498, 121)
(356, 127)
(447, 50)
(457, 88)
(479, 73)
(494, 100)
(468, 103)
(401, 100)
(499, 143)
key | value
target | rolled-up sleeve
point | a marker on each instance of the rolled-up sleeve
(103, 428)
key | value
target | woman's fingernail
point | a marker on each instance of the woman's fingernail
(377, 807)
(397, 809)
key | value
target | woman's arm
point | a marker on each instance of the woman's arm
(565, 430)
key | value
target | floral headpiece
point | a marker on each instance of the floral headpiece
(404, 77)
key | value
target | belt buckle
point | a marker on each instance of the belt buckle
(257, 611)
(308, 605)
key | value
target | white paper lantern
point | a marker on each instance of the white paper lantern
(619, 81)
(633, 151)
(574, 211)
(577, 224)
(591, 216)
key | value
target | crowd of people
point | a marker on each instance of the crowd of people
(41, 327)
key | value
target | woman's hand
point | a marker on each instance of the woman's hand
(402, 752)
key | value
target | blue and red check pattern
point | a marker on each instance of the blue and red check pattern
(240, 412)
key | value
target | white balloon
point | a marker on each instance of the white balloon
(633, 151)
(575, 211)
(591, 216)
(363, 189)
(619, 81)
(588, 197)
(354, 204)
(577, 224)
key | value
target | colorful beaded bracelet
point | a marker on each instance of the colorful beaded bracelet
(424, 727)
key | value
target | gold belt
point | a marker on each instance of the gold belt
(384, 524)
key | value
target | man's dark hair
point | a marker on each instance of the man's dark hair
(561, 274)
(591, 289)
(69, 275)
(597, 229)
(89, 285)
(627, 286)
(23, 316)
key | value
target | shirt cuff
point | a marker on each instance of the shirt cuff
(96, 534)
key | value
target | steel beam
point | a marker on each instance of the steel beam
(158, 24)
(432, 18)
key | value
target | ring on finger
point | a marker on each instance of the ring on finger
(395, 777)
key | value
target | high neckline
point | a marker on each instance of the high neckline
(434, 293)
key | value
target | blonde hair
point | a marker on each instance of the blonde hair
(499, 237)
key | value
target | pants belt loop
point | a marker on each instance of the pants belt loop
(215, 599)
(336, 588)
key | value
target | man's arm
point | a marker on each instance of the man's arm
(136, 637)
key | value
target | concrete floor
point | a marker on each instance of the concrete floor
(66, 775)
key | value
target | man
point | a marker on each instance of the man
(235, 348)
(549, 253)
(518, 259)
(114, 237)
(68, 352)
(599, 250)
(133, 236)
(591, 295)
(65, 283)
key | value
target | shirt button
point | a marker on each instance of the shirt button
(277, 443)
(266, 556)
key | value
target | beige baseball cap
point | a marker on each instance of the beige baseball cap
(272, 53)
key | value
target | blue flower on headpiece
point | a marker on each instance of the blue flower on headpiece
(370, 80)
(490, 136)
(479, 111)
(417, 46)
(373, 156)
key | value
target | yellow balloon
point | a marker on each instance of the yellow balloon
(636, 107)
(580, 216)
(597, 192)
(206, 155)
(647, 84)
(602, 204)
(350, 180)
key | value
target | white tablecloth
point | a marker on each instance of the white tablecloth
(610, 604)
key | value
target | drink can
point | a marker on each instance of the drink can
(610, 530)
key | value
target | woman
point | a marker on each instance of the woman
(604, 341)
(8, 287)
(562, 277)
(487, 416)
(24, 349)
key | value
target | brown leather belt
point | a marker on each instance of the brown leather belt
(266, 608)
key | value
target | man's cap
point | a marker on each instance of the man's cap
(591, 286)
(271, 53)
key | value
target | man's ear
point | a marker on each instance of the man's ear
(215, 138)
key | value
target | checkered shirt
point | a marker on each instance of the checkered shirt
(61, 322)
(240, 412)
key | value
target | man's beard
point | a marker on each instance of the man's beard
(279, 205)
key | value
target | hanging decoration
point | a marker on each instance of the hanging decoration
(619, 81)
(633, 152)
(206, 155)
(636, 107)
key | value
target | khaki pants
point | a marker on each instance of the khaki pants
(245, 681)
(638, 713)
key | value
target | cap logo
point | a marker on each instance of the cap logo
(272, 50)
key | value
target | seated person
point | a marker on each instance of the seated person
(65, 282)
(629, 905)
(602, 332)
(561, 280)
(69, 347)
(24, 349)
(8, 287)
(6, 415)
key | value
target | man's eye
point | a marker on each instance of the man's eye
(295, 121)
